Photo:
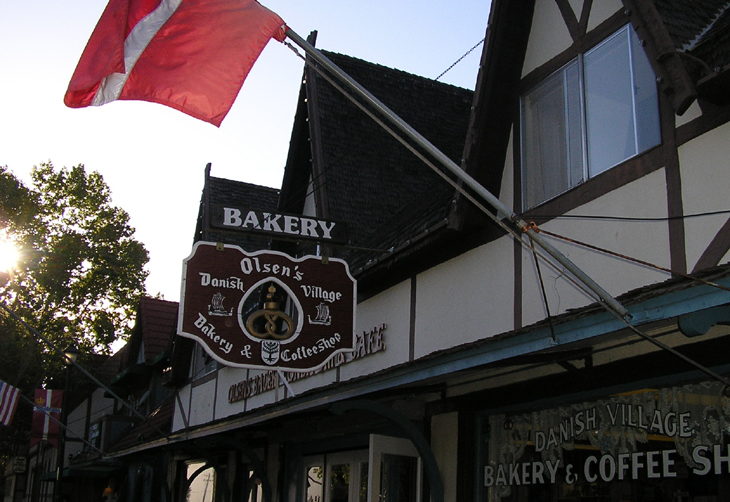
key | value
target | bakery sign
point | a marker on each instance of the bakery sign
(267, 310)
(283, 225)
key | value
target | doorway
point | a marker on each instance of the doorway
(390, 470)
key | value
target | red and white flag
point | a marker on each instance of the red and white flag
(8, 402)
(191, 55)
(46, 424)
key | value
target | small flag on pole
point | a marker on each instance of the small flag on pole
(191, 55)
(8, 402)
(47, 404)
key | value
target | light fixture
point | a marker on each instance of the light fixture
(70, 354)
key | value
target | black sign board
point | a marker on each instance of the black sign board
(290, 226)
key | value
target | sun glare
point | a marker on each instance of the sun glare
(9, 254)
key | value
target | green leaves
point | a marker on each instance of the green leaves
(82, 271)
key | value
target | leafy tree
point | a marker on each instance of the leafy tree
(79, 277)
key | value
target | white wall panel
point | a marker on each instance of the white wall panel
(705, 188)
(549, 36)
(392, 308)
(601, 11)
(644, 240)
(180, 415)
(465, 299)
(201, 403)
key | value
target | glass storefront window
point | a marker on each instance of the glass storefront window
(398, 478)
(659, 445)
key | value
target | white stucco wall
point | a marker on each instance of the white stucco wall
(507, 189)
(705, 165)
(180, 414)
(693, 112)
(643, 240)
(392, 308)
(549, 35)
(601, 10)
(201, 403)
(465, 299)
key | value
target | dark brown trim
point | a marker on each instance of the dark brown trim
(496, 103)
(517, 312)
(517, 246)
(608, 181)
(204, 379)
(672, 76)
(319, 179)
(569, 18)
(412, 326)
(206, 204)
(719, 246)
(585, 15)
(699, 126)
(673, 174)
(584, 43)
(466, 456)
(576, 28)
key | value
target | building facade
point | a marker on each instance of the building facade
(482, 370)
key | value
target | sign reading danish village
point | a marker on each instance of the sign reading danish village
(267, 310)
(658, 441)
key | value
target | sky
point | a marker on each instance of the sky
(153, 157)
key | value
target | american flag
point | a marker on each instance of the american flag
(8, 402)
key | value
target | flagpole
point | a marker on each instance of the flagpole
(449, 164)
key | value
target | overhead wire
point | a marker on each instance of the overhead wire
(632, 259)
(460, 59)
(628, 218)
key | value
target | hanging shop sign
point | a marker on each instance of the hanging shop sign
(290, 226)
(267, 310)
(656, 440)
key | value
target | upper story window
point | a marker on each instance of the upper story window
(597, 111)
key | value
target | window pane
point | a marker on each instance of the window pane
(398, 478)
(646, 101)
(574, 110)
(340, 483)
(363, 491)
(609, 104)
(552, 144)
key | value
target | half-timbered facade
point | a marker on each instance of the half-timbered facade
(482, 369)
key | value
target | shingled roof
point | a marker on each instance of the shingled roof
(699, 28)
(236, 193)
(361, 174)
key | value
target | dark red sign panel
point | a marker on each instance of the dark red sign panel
(266, 309)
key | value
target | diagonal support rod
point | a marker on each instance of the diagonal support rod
(452, 167)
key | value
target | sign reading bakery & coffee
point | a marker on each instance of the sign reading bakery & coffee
(284, 225)
(267, 310)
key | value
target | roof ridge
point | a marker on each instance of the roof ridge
(430, 80)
